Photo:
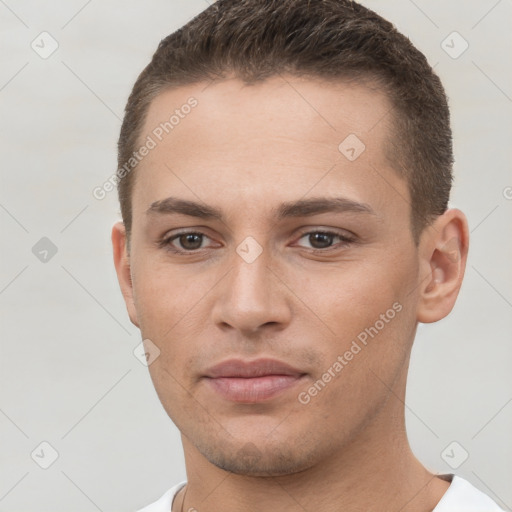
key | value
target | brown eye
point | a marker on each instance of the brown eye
(320, 240)
(190, 241)
(187, 243)
(324, 240)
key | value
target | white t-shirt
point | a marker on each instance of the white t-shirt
(461, 496)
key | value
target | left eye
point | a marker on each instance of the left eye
(323, 239)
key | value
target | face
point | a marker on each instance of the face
(262, 240)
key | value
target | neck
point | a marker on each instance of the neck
(374, 471)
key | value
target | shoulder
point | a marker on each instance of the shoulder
(462, 496)
(164, 503)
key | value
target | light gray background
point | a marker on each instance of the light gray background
(68, 373)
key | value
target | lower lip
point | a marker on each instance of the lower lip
(251, 390)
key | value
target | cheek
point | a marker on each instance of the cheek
(350, 298)
(173, 392)
(171, 310)
(166, 296)
(367, 320)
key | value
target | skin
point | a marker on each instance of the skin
(245, 150)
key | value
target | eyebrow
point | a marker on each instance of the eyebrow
(300, 208)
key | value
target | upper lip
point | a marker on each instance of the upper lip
(251, 369)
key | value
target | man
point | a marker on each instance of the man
(284, 177)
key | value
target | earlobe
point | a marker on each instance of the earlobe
(123, 269)
(443, 252)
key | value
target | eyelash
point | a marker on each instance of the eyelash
(165, 243)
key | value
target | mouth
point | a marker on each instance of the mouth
(252, 381)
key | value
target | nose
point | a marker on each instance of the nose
(251, 297)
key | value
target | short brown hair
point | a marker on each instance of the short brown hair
(332, 39)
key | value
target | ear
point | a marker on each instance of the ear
(443, 255)
(122, 264)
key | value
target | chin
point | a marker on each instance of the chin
(250, 460)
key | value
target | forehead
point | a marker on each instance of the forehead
(283, 106)
(274, 139)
